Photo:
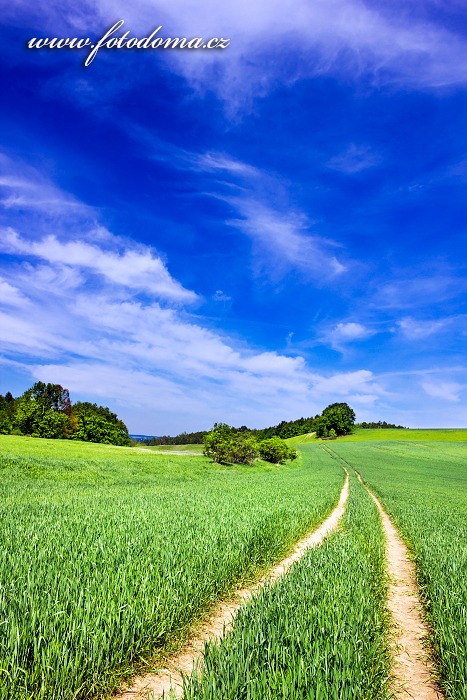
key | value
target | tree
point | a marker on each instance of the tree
(218, 444)
(338, 417)
(275, 450)
(98, 424)
(225, 444)
(43, 411)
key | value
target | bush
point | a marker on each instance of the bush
(275, 450)
(244, 448)
(224, 444)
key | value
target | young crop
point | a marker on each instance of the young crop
(423, 485)
(320, 633)
(108, 555)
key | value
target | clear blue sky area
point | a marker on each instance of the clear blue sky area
(243, 234)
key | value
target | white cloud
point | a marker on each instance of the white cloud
(418, 330)
(24, 187)
(343, 37)
(447, 391)
(149, 361)
(10, 295)
(419, 290)
(283, 241)
(346, 383)
(354, 159)
(221, 296)
(344, 333)
(135, 268)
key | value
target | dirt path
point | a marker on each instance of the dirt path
(412, 670)
(220, 622)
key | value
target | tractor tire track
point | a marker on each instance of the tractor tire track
(412, 673)
(220, 622)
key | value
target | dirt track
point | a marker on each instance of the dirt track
(412, 669)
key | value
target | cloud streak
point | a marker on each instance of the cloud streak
(136, 268)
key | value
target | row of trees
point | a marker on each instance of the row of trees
(46, 411)
(227, 444)
(338, 417)
(181, 439)
(380, 425)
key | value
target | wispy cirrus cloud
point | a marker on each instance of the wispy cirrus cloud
(414, 329)
(135, 268)
(103, 315)
(275, 42)
(420, 290)
(23, 187)
(343, 333)
(444, 390)
(283, 237)
(283, 240)
(354, 159)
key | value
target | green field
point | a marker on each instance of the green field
(110, 554)
(320, 633)
(174, 449)
(423, 486)
(415, 434)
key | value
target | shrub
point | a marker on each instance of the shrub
(224, 444)
(275, 450)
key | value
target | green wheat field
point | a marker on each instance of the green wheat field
(110, 557)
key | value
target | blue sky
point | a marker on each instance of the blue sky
(242, 235)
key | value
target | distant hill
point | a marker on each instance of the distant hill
(142, 438)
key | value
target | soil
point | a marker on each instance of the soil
(413, 672)
(221, 620)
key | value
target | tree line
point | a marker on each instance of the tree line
(242, 446)
(46, 410)
(380, 425)
(337, 417)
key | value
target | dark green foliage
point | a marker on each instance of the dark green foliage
(181, 439)
(43, 411)
(288, 429)
(276, 450)
(46, 411)
(225, 444)
(240, 446)
(284, 430)
(382, 425)
(338, 417)
(244, 448)
(98, 424)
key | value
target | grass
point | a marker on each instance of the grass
(109, 555)
(423, 485)
(320, 633)
(175, 449)
(301, 440)
(414, 434)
